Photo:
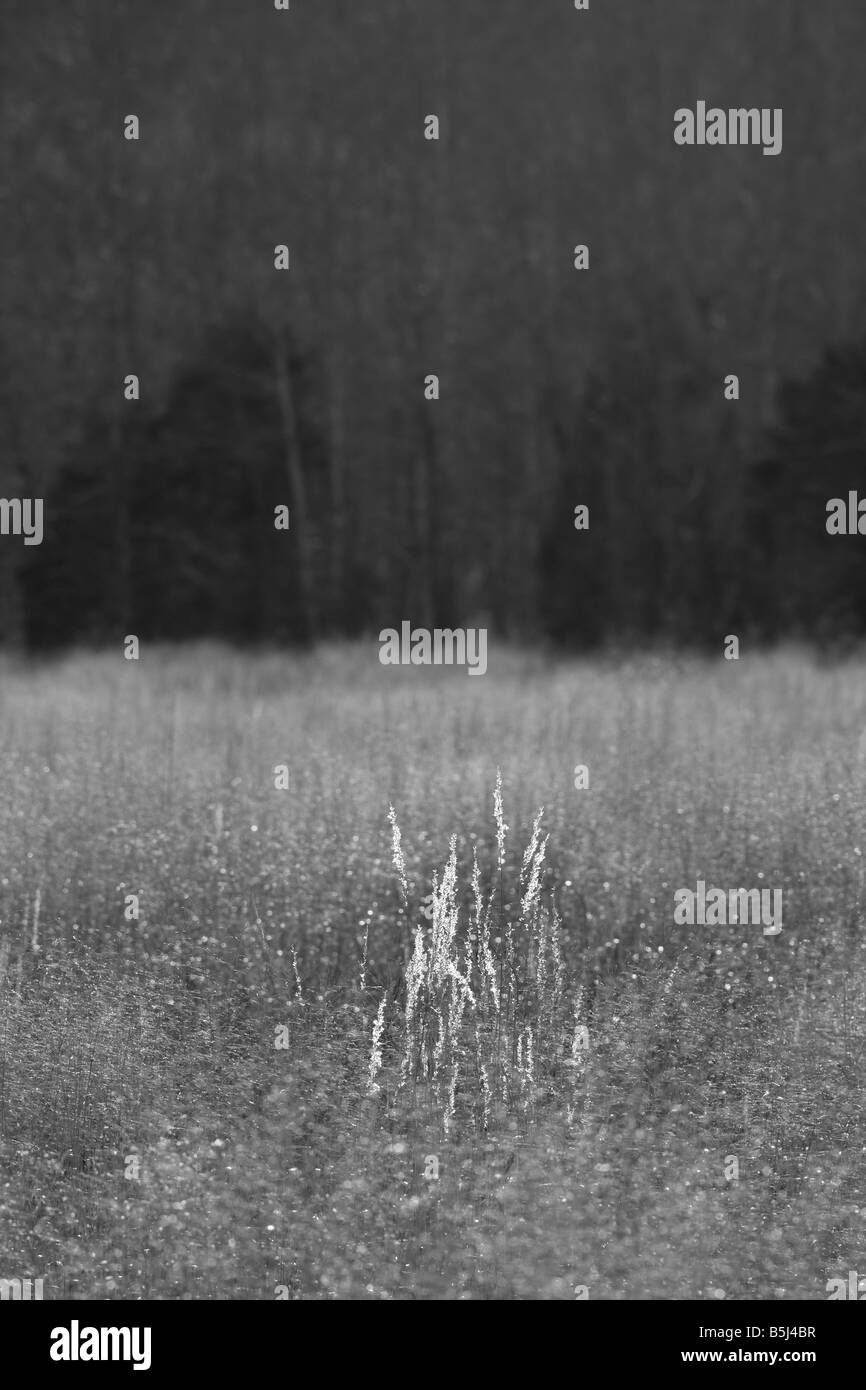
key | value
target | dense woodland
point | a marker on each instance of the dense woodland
(410, 257)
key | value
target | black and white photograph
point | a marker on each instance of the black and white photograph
(433, 662)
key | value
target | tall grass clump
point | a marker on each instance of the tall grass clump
(488, 1026)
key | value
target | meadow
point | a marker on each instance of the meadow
(262, 1042)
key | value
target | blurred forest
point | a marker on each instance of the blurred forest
(410, 257)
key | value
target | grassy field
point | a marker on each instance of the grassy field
(296, 1074)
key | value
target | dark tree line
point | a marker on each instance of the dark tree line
(185, 543)
(809, 581)
(409, 258)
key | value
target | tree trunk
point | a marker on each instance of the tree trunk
(298, 495)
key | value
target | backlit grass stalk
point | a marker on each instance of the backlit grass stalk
(455, 1019)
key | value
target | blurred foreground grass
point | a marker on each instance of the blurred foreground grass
(148, 1046)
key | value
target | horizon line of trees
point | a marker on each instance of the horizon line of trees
(410, 257)
(685, 545)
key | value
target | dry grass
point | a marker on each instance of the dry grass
(438, 1057)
